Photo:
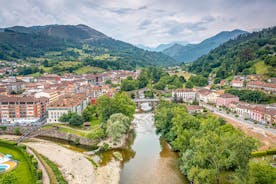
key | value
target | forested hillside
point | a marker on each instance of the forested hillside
(253, 53)
(58, 43)
(191, 52)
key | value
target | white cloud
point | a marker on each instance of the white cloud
(143, 21)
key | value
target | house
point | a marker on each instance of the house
(22, 109)
(194, 109)
(206, 96)
(185, 95)
(244, 110)
(236, 83)
(67, 103)
(270, 116)
(260, 85)
(222, 83)
(257, 113)
(226, 99)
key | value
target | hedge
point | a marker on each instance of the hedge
(263, 153)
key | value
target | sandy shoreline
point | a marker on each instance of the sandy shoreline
(75, 167)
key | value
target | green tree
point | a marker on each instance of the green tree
(89, 113)
(261, 173)
(9, 178)
(117, 125)
(189, 84)
(76, 120)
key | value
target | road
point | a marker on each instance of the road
(250, 125)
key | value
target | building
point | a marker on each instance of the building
(185, 95)
(236, 83)
(67, 103)
(244, 110)
(270, 116)
(226, 99)
(194, 109)
(206, 96)
(22, 109)
(52, 95)
(257, 113)
(260, 85)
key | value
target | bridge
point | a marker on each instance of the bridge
(153, 102)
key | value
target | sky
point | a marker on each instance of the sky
(148, 22)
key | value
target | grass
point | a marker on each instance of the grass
(68, 129)
(50, 172)
(79, 131)
(261, 68)
(88, 69)
(23, 172)
(59, 177)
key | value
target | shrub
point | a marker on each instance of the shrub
(34, 162)
(17, 131)
(39, 174)
(3, 128)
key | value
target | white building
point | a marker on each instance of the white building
(68, 103)
(185, 95)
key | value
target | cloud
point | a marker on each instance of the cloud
(149, 22)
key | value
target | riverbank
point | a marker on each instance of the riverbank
(74, 166)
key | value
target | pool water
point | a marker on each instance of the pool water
(3, 167)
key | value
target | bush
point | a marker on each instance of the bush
(17, 131)
(3, 128)
(263, 153)
(34, 162)
(258, 153)
(39, 182)
(39, 174)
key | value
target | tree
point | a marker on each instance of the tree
(198, 80)
(261, 173)
(120, 103)
(65, 117)
(89, 113)
(76, 120)
(189, 84)
(117, 125)
(128, 85)
(9, 178)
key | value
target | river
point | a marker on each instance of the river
(153, 161)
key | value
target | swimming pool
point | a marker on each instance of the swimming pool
(4, 167)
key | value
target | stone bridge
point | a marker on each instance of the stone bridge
(152, 102)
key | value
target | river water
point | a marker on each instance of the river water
(153, 161)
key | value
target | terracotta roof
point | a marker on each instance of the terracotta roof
(184, 90)
(68, 100)
(227, 95)
(22, 99)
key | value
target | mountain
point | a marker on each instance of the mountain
(252, 53)
(161, 47)
(191, 52)
(74, 43)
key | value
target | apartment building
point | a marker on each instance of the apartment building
(22, 109)
(226, 99)
(67, 103)
(185, 95)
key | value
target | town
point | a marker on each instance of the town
(137, 92)
(44, 99)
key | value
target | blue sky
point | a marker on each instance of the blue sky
(148, 22)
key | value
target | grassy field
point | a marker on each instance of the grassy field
(88, 69)
(23, 172)
(92, 133)
(185, 74)
(261, 68)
